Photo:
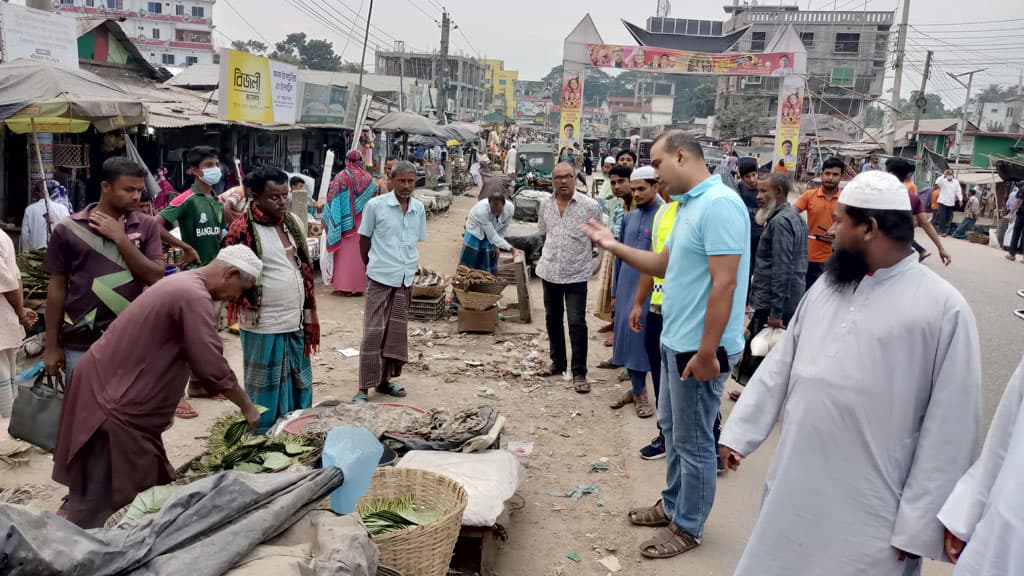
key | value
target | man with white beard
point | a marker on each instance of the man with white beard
(780, 265)
(984, 509)
(877, 385)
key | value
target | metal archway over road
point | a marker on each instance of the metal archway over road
(786, 58)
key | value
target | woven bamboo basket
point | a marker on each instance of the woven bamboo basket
(385, 571)
(477, 300)
(487, 287)
(420, 550)
(428, 291)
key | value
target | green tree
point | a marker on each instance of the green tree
(740, 120)
(250, 46)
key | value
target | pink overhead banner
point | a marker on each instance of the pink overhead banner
(684, 62)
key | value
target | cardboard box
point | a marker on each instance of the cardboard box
(480, 321)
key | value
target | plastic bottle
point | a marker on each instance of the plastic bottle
(356, 451)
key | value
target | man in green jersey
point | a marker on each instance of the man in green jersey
(197, 211)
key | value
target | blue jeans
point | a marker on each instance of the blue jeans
(687, 411)
(966, 225)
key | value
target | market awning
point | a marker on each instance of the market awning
(42, 91)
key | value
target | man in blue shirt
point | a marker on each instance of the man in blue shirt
(392, 225)
(703, 307)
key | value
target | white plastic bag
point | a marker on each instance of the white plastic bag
(765, 340)
(326, 260)
(1008, 237)
(993, 238)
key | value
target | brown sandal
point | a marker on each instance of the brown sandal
(580, 385)
(643, 406)
(651, 516)
(625, 399)
(668, 543)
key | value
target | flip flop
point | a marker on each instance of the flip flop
(391, 389)
(360, 398)
(643, 407)
(185, 411)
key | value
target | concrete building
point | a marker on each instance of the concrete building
(846, 56)
(177, 33)
(1001, 116)
(467, 97)
(645, 117)
(501, 83)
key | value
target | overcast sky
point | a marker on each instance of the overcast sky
(528, 34)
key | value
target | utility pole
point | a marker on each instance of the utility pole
(921, 94)
(961, 128)
(442, 80)
(366, 39)
(400, 48)
(897, 83)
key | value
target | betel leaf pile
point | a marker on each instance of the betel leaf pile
(382, 516)
(231, 447)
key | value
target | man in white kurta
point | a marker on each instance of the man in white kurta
(877, 385)
(986, 509)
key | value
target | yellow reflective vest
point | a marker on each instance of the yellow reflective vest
(664, 220)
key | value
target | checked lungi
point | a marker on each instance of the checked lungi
(278, 375)
(385, 347)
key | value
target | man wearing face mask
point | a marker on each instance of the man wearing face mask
(197, 211)
(877, 383)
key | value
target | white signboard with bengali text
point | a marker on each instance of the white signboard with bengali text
(37, 35)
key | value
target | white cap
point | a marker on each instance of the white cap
(644, 173)
(242, 258)
(876, 190)
(609, 160)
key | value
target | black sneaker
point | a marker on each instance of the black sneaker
(655, 450)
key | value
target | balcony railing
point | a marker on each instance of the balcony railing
(814, 17)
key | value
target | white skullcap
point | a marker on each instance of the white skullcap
(242, 258)
(609, 160)
(876, 190)
(644, 173)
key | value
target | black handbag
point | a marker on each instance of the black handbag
(35, 416)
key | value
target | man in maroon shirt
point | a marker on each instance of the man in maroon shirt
(99, 260)
(124, 390)
(904, 170)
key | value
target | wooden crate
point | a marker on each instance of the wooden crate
(427, 309)
(514, 272)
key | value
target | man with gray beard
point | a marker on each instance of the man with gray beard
(780, 266)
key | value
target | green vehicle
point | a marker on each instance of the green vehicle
(535, 162)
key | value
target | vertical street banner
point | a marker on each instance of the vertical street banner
(787, 125)
(571, 105)
(257, 89)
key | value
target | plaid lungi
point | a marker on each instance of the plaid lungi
(385, 347)
(278, 375)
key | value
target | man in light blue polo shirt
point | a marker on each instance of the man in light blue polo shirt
(703, 307)
(392, 226)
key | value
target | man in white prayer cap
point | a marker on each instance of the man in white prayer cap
(124, 390)
(984, 509)
(876, 384)
(606, 192)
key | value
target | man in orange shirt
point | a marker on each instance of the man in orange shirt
(820, 204)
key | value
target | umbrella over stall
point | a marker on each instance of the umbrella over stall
(37, 97)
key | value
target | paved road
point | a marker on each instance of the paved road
(989, 283)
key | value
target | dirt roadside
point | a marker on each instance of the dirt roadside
(569, 431)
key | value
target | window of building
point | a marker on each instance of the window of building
(190, 60)
(156, 33)
(115, 4)
(90, 3)
(808, 39)
(843, 77)
(179, 10)
(198, 12)
(758, 41)
(194, 36)
(154, 7)
(752, 81)
(847, 43)
(67, 2)
(167, 59)
(501, 82)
